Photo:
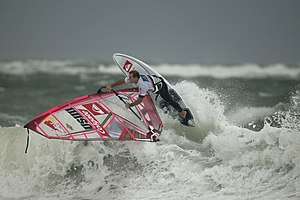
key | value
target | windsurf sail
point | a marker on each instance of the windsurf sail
(100, 117)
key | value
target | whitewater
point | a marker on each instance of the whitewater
(246, 144)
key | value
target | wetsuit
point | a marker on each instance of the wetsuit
(146, 83)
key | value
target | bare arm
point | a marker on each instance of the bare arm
(119, 82)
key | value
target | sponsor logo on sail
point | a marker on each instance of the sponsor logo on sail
(80, 119)
(51, 125)
(127, 66)
(95, 109)
(94, 121)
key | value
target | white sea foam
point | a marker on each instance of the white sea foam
(245, 115)
(216, 160)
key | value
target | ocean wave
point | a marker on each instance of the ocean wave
(245, 115)
(259, 157)
(288, 117)
(246, 71)
(55, 67)
(73, 67)
(215, 160)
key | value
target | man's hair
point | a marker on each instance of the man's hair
(134, 73)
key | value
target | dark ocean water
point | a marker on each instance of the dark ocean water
(246, 144)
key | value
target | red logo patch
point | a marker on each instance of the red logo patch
(95, 109)
(51, 125)
(127, 66)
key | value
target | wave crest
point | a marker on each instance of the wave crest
(74, 67)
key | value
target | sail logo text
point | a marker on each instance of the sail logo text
(79, 118)
(93, 121)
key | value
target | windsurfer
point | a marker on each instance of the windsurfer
(145, 84)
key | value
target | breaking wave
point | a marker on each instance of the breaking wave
(216, 160)
(68, 67)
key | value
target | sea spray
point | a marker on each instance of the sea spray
(207, 108)
(219, 159)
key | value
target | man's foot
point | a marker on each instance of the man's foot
(183, 114)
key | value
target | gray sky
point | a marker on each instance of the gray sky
(174, 31)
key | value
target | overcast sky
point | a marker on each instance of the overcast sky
(173, 31)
